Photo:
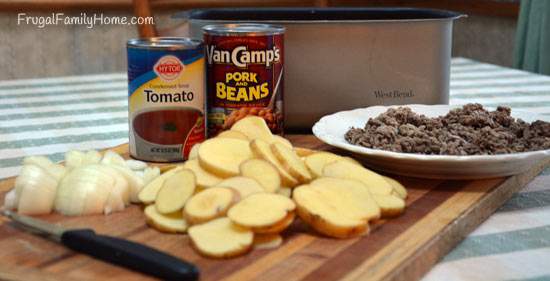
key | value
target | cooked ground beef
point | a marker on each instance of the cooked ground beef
(469, 130)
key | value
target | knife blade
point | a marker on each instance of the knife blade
(114, 250)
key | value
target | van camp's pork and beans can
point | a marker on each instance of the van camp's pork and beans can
(166, 97)
(244, 76)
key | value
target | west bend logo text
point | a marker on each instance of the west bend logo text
(169, 68)
(241, 57)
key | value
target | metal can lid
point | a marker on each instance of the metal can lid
(166, 43)
(240, 29)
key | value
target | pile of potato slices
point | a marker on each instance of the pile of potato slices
(241, 189)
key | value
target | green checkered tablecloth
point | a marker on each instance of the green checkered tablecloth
(514, 243)
(52, 115)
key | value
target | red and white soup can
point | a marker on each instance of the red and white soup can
(166, 97)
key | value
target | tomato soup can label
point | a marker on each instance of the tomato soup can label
(166, 99)
(244, 74)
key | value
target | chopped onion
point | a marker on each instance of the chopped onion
(74, 158)
(119, 196)
(10, 200)
(150, 173)
(84, 190)
(56, 170)
(136, 165)
(35, 190)
(112, 158)
(92, 157)
(88, 184)
(135, 183)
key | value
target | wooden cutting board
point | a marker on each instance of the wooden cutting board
(439, 214)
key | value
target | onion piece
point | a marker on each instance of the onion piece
(135, 183)
(112, 158)
(75, 158)
(119, 196)
(136, 165)
(10, 200)
(54, 169)
(84, 190)
(89, 184)
(92, 157)
(35, 191)
(150, 173)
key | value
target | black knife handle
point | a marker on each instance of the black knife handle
(129, 254)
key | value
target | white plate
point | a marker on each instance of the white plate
(331, 129)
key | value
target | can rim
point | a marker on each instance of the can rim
(239, 29)
(171, 43)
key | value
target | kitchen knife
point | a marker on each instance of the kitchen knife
(114, 250)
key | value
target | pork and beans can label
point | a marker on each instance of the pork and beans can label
(244, 74)
(166, 97)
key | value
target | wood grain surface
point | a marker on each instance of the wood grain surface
(439, 214)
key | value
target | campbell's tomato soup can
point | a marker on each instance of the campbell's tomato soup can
(244, 74)
(166, 97)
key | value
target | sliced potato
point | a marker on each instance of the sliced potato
(285, 191)
(263, 172)
(267, 241)
(276, 228)
(198, 189)
(165, 167)
(390, 205)
(291, 162)
(148, 193)
(262, 150)
(194, 152)
(398, 188)
(253, 127)
(204, 178)
(232, 135)
(175, 191)
(282, 140)
(243, 185)
(209, 204)
(303, 152)
(352, 195)
(171, 223)
(348, 170)
(319, 209)
(222, 156)
(316, 162)
(220, 238)
(261, 211)
(352, 160)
